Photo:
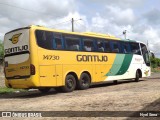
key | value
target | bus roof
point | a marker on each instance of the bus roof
(87, 34)
(129, 40)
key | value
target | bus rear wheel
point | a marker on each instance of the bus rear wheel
(137, 76)
(44, 90)
(84, 81)
(70, 84)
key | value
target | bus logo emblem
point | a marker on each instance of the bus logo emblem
(15, 38)
(146, 72)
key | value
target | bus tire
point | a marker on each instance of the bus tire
(137, 76)
(84, 81)
(44, 90)
(70, 84)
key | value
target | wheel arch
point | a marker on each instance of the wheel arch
(72, 73)
(88, 74)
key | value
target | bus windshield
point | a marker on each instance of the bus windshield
(145, 54)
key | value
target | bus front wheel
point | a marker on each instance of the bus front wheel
(84, 81)
(70, 84)
(137, 76)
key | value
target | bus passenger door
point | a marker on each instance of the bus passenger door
(47, 75)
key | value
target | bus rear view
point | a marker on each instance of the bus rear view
(17, 57)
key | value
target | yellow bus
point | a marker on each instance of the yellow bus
(43, 58)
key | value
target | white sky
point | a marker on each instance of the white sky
(141, 18)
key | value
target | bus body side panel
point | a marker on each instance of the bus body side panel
(123, 67)
(60, 63)
(102, 68)
(127, 70)
(50, 68)
(34, 58)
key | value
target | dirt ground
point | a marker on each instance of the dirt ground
(124, 96)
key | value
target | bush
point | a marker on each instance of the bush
(155, 62)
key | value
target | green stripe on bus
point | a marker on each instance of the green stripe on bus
(116, 65)
(125, 65)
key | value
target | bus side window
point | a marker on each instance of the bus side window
(143, 48)
(125, 47)
(44, 39)
(115, 47)
(100, 46)
(58, 42)
(72, 43)
(107, 46)
(135, 49)
(88, 44)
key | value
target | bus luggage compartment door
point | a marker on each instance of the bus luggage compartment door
(47, 76)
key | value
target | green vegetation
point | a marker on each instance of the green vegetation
(4, 90)
(155, 69)
(155, 64)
